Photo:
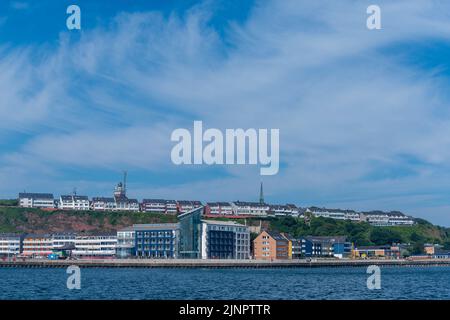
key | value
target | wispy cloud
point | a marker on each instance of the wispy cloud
(20, 5)
(351, 113)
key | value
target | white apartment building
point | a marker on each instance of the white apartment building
(63, 239)
(36, 200)
(74, 202)
(95, 245)
(250, 208)
(37, 245)
(337, 214)
(394, 218)
(124, 204)
(10, 244)
(284, 210)
(219, 208)
(187, 205)
(171, 207)
(154, 205)
(103, 204)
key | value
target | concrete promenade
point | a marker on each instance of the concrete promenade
(198, 263)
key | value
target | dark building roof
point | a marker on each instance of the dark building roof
(317, 209)
(158, 201)
(373, 247)
(121, 198)
(62, 235)
(275, 235)
(250, 204)
(10, 236)
(218, 204)
(75, 198)
(37, 235)
(36, 195)
(330, 239)
(102, 199)
(66, 246)
(80, 198)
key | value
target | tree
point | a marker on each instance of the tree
(417, 248)
(382, 236)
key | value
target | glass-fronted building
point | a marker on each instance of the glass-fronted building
(156, 240)
(189, 233)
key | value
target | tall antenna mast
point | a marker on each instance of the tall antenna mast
(125, 182)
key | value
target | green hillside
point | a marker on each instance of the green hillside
(363, 233)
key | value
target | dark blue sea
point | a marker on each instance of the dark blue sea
(292, 284)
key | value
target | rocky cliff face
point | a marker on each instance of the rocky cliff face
(23, 220)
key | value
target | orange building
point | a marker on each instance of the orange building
(270, 246)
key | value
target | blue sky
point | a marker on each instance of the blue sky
(364, 115)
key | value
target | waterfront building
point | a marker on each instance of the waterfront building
(37, 245)
(242, 208)
(154, 205)
(310, 248)
(99, 246)
(224, 240)
(189, 242)
(364, 252)
(294, 246)
(270, 246)
(36, 200)
(429, 249)
(156, 240)
(334, 246)
(441, 254)
(103, 204)
(219, 208)
(10, 244)
(126, 242)
(60, 240)
(74, 202)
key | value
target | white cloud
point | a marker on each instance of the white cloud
(342, 103)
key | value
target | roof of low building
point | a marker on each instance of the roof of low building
(36, 195)
(103, 199)
(154, 226)
(338, 239)
(162, 201)
(225, 223)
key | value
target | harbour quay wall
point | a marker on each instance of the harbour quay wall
(216, 263)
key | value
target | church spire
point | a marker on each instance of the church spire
(261, 194)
